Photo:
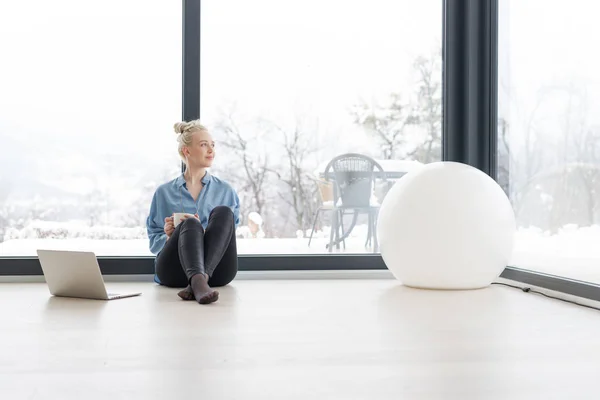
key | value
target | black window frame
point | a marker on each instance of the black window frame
(469, 135)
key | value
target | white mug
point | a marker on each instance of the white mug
(178, 217)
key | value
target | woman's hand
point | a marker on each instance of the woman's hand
(169, 226)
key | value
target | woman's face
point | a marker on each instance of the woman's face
(201, 152)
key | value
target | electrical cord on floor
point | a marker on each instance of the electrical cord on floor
(529, 290)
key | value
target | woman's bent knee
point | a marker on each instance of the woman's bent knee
(222, 211)
(191, 221)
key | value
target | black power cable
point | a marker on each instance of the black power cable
(529, 290)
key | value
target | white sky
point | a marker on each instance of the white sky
(85, 80)
(546, 43)
(80, 80)
(285, 57)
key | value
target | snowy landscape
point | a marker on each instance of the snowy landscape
(573, 252)
(79, 162)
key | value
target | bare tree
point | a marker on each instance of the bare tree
(504, 162)
(248, 165)
(4, 212)
(392, 123)
(429, 107)
(582, 158)
(95, 204)
(554, 160)
(571, 174)
(521, 164)
(387, 124)
(300, 192)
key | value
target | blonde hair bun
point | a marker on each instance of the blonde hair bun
(180, 127)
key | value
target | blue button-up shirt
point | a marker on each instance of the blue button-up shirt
(173, 196)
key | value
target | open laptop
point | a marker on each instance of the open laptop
(75, 274)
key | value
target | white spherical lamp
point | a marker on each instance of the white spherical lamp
(446, 225)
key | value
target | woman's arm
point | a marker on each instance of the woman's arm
(156, 229)
(236, 208)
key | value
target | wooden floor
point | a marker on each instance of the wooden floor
(322, 339)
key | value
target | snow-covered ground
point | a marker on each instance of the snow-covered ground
(573, 252)
(139, 247)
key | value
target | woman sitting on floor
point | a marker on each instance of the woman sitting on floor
(200, 252)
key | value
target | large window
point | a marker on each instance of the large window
(287, 86)
(89, 94)
(549, 133)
